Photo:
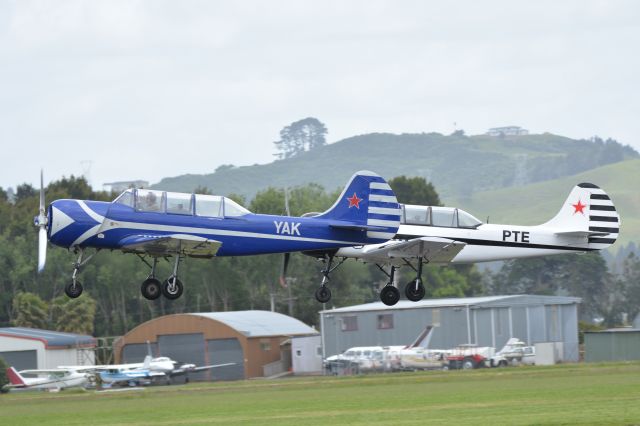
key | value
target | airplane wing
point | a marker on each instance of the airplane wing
(432, 249)
(162, 245)
(184, 370)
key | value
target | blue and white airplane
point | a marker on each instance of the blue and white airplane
(158, 224)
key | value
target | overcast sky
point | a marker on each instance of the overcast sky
(148, 89)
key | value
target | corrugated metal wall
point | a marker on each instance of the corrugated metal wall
(484, 326)
(612, 346)
(185, 349)
(136, 352)
(222, 351)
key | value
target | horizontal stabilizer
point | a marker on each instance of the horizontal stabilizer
(356, 227)
(584, 234)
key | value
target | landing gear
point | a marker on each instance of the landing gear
(74, 288)
(323, 294)
(171, 288)
(414, 290)
(389, 295)
(150, 289)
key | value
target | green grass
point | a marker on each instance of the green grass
(566, 394)
(536, 203)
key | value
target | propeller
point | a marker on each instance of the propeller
(41, 222)
(285, 260)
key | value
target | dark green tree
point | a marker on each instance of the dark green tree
(303, 135)
(414, 190)
(30, 311)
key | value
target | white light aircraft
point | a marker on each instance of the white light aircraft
(54, 379)
(587, 221)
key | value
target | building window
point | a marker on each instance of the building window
(385, 321)
(319, 351)
(349, 323)
(265, 345)
(298, 352)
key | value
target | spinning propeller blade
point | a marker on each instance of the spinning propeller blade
(41, 222)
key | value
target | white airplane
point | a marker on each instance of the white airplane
(587, 221)
(144, 372)
(54, 379)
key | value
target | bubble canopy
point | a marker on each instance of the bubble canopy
(149, 200)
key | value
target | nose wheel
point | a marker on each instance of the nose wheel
(74, 289)
(323, 294)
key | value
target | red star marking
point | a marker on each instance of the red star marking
(354, 201)
(579, 207)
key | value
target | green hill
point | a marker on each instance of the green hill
(457, 165)
(536, 203)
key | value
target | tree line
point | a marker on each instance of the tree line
(111, 304)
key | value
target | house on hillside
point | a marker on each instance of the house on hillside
(507, 131)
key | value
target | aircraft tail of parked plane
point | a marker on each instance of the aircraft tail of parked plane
(15, 378)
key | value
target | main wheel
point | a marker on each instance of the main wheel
(468, 364)
(150, 289)
(414, 294)
(389, 295)
(73, 289)
(323, 294)
(172, 288)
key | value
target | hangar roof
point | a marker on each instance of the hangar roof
(473, 302)
(51, 339)
(260, 323)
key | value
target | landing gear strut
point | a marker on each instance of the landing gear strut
(172, 288)
(150, 288)
(323, 294)
(389, 295)
(74, 288)
(414, 290)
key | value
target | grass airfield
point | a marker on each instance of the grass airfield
(564, 394)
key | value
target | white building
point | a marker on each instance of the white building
(306, 354)
(507, 131)
(31, 348)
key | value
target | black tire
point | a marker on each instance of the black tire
(177, 291)
(412, 293)
(151, 289)
(389, 295)
(73, 290)
(323, 294)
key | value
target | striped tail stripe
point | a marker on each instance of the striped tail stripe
(384, 211)
(603, 217)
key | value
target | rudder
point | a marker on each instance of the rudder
(367, 201)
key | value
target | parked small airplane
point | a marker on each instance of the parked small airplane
(587, 221)
(161, 224)
(54, 379)
(143, 372)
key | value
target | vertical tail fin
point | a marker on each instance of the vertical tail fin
(147, 362)
(588, 211)
(367, 203)
(14, 377)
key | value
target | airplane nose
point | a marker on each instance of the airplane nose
(69, 222)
